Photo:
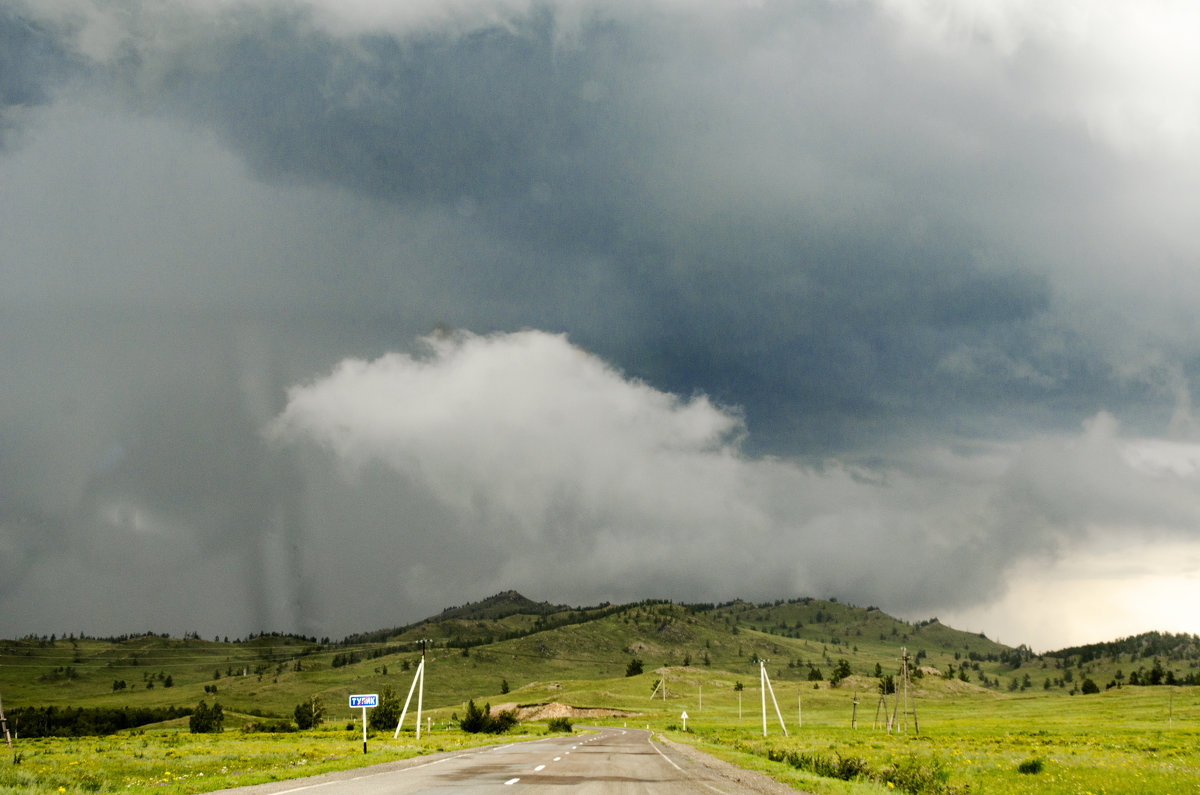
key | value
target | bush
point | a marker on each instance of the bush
(310, 714)
(268, 727)
(918, 774)
(387, 714)
(634, 667)
(207, 720)
(480, 719)
(1031, 766)
(560, 725)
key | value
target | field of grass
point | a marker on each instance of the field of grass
(174, 760)
(1016, 723)
(1127, 740)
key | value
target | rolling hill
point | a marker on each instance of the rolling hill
(543, 652)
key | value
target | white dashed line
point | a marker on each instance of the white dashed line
(539, 768)
(511, 781)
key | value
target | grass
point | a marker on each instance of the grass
(1016, 735)
(176, 761)
(1114, 742)
(1120, 741)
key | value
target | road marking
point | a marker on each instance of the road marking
(557, 758)
(539, 768)
(664, 756)
(371, 775)
(511, 781)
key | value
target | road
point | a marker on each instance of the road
(608, 760)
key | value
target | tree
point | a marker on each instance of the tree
(387, 714)
(1088, 686)
(503, 685)
(840, 672)
(207, 720)
(310, 713)
(634, 667)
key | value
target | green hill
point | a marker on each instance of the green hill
(548, 652)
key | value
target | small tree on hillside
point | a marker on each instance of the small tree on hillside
(840, 672)
(207, 720)
(387, 714)
(310, 713)
(634, 667)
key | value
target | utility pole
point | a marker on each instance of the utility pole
(765, 681)
(418, 677)
(4, 723)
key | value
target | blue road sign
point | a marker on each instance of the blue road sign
(371, 700)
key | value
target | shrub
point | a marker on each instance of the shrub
(207, 720)
(310, 713)
(634, 667)
(917, 774)
(1031, 766)
(387, 714)
(560, 725)
(480, 719)
(268, 727)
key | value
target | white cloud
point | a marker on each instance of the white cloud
(1128, 71)
(527, 420)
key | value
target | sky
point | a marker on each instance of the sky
(321, 316)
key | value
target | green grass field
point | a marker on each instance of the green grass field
(1017, 724)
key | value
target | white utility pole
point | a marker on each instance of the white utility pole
(766, 685)
(419, 676)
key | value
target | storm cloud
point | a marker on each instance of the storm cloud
(889, 301)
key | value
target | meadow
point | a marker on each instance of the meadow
(991, 718)
(1121, 741)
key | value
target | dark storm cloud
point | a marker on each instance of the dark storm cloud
(892, 240)
(32, 62)
(605, 164)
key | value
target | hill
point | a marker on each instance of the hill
(508, 641)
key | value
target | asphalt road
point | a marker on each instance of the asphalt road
(610, 760)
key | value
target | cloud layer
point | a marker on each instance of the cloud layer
(857, 274)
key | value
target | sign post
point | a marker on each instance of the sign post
(364, 701)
